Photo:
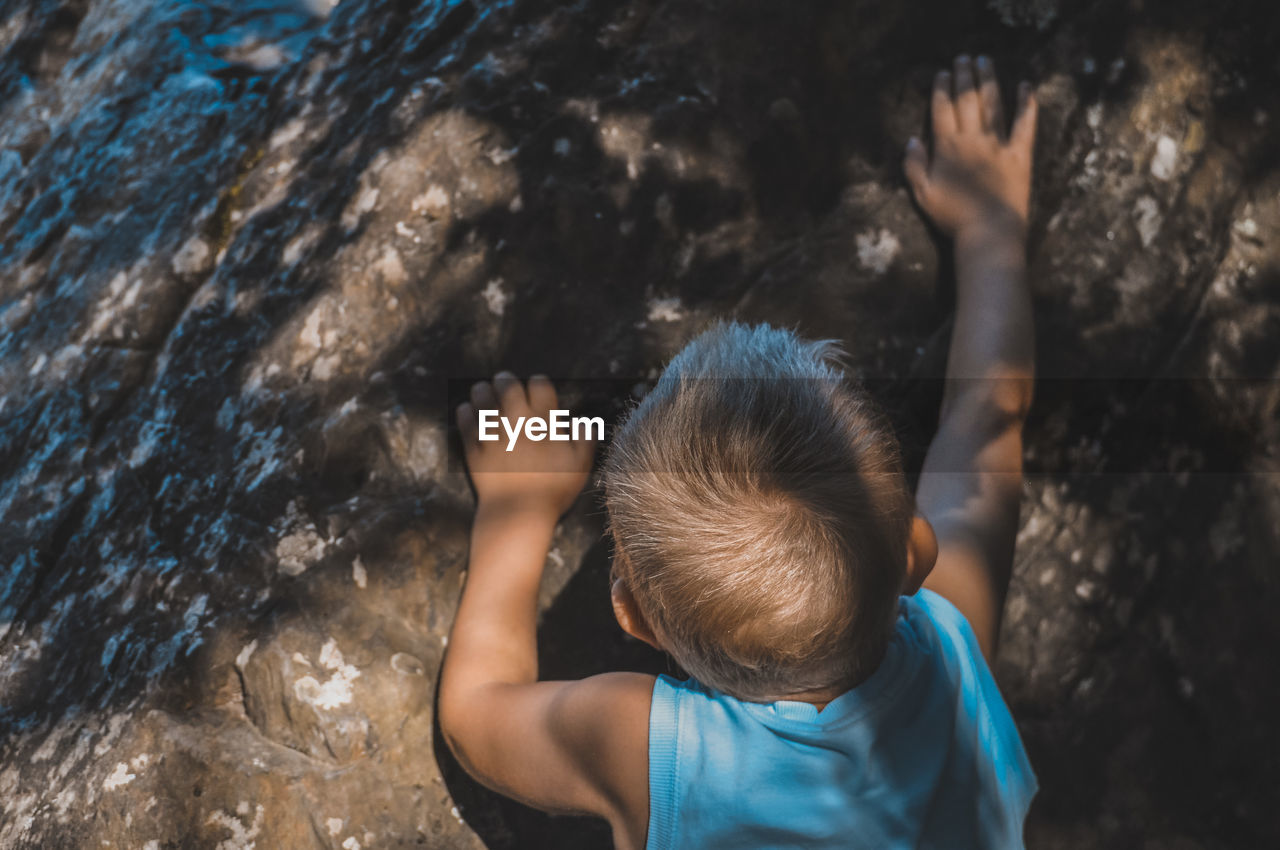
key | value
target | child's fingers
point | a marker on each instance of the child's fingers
(916, 166)
(943, 110)
(482, 396)
(510, 393)
(542, 394)
(968, 109)
(1023, 134)
(989, 93)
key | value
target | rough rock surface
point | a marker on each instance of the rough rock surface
(245, 246)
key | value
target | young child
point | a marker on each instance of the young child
(838, 636)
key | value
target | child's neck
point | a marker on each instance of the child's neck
(819, 699)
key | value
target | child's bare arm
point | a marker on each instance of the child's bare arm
(561, 746)
(976, 188)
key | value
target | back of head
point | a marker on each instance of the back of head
(760, 514)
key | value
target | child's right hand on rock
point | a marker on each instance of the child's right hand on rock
(979, 176)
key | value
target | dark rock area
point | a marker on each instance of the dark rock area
(245, 247)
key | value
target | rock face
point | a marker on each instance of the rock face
(245, 247)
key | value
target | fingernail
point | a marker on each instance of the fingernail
(962, 59)
(913, 143)
(983, 62)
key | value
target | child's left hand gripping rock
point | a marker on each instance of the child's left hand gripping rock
(515, 470)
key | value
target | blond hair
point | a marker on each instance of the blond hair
(760, 514)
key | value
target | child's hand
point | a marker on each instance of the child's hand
(540, 477)
(979, 177)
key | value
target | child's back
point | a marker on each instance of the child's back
(921, 754)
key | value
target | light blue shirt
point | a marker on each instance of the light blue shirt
(923, 754)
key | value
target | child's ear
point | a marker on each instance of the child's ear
(628, 614)
(922, 554)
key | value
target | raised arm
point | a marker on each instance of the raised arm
(976, 188)
(559, 746)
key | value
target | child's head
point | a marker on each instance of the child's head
(760, 515)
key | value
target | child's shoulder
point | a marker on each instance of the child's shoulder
(936, 620)
(608, 718)
(939, 610)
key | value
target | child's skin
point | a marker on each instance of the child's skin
(582, 746)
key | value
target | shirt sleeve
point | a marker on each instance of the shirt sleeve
(664, 763)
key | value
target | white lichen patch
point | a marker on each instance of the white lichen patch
(1146, 213)
(1165, 160)
(334, 691)
(325, 327)
(326, 367)
(309, 337)
(358, 573)
(334, 826)
(242, 836)
(391, 267)
(246, 653)
(119, 776)
(297, 247)
(666, 310)
(331, 656)
(286, 134)
(495, 296)
(434, 202)
(364, 202)
(121, 295)
(299, 550)
(1247, 228)
(877, 249)
(351, 844)
(499, 155)
(193, 257)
